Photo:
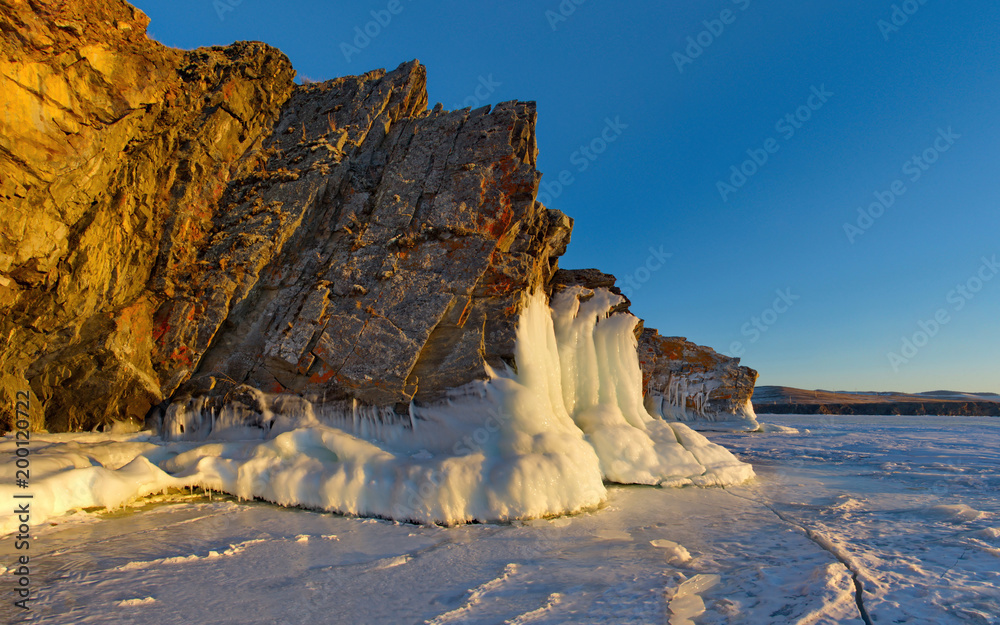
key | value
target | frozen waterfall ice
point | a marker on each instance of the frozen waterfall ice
(538, 441)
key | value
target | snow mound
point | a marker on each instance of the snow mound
(772, 428)
(957, 513)
(535, 443)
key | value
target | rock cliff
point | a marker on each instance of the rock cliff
(179, 224)
(695, 384)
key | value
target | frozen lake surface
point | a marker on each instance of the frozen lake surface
(904, 507)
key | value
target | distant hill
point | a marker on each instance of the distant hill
(788, 400)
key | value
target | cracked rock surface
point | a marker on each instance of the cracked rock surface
(177, 222)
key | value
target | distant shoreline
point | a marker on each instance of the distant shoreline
(788, 400)
(943, 408)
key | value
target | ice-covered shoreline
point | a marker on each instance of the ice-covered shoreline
(538, 442)
(908, 506)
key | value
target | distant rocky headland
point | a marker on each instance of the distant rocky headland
(179, 226)
(786, 400)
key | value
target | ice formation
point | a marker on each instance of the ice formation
(536, 442)
(687, 400)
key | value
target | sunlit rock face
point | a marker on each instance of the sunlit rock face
(114, 154)
(186, 221)
(401, 243)
(695, 384)
(178, 225)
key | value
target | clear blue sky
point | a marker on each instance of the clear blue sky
(891, 92)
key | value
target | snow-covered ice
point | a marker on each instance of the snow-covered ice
(907, 505)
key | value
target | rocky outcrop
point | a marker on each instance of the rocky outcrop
(114, 153)
(385, 258)
(178, 223)
(695, 384)
(189, 226)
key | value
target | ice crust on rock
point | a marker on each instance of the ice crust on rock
(683, 393)
(537, 442)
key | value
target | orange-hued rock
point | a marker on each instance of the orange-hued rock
(693, 382)
(114, 152)
(189, 226)
(186, 221)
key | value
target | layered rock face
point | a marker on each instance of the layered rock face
(695, 384)
(408, 238)
(194, 219)
(114, 153)
(182, 225)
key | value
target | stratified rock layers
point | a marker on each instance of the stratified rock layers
(695, 384)
(192, 220)
(180, 224)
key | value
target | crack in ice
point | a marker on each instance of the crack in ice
(859, 588)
